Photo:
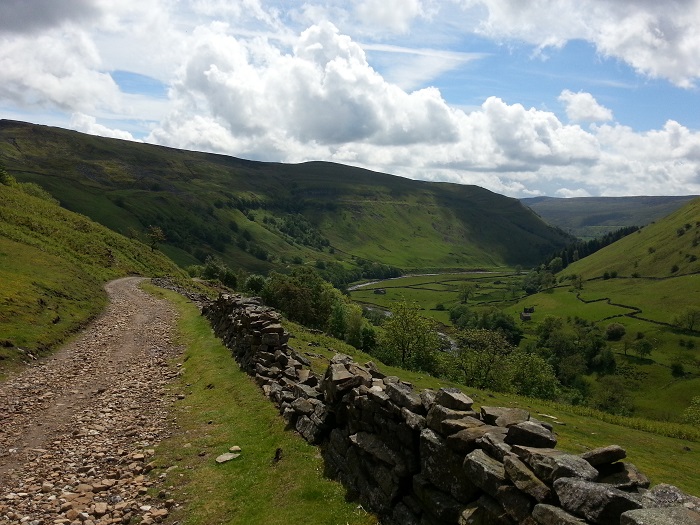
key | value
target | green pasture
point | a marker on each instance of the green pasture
(429, 291)
(659, 300)
(655, 391)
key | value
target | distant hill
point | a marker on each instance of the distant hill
(53, 264)
(667, 248)
(261, 216)
(589, 217)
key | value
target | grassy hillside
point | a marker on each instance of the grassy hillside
(53, 264)
(589, 217)
(666, 248)
(263, 215)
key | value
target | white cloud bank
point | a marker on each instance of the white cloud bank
(270, 93)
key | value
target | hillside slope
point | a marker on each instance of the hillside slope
(669, 247)
(589, 217)
(53, 264)
(259, 215)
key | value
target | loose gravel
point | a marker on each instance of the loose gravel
(78, 429)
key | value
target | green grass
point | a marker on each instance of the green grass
(655, 392)
(53, 265)
(224, 407)
(651, 252)
(195, 197)
(431, 290)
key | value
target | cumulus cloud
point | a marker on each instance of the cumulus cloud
(322, 100)
(249, 85)
(659, 39)
(57, 68)
(582, 107)
(88, 124)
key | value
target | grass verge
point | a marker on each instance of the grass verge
(223, 407)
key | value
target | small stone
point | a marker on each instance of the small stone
(100, 509)
(223, 458)
(234, 448)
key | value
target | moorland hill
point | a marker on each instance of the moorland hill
(259, 216)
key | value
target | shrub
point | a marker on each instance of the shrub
(615, 331)
(677, 370)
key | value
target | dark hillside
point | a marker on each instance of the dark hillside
(589, 217)
(261, 216)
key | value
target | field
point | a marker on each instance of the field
(437, 293)
(657, 394)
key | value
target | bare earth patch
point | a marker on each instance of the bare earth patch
(77, 430)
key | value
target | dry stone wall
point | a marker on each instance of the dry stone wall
(423, 458)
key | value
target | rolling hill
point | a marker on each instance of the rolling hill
(589, 217)
(667, 248)
(260, 216)
(53, 264)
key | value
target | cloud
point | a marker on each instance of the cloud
(582, 107)
(57, 68)
(88, 124)
(322, 100)
(28, 16)
(394, 16)
(658, 39)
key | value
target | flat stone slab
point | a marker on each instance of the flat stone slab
(604, 455)
(223, 458)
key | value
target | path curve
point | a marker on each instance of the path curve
(77, 429)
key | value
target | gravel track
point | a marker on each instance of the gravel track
(78, 429)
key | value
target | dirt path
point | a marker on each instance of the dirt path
(77, 430)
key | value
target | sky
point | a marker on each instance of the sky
(544, 97)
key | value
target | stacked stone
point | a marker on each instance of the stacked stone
(429, 458)
(259, 344)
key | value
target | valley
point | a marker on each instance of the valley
(610, 342)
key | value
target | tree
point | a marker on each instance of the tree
(465, 291)
(353, 325)
(155, 236)
(254, 283)
(409, 338)
(302, 295)
(481, 358)
(532, 376)
(643, 348)
(556, 265)
(691, 414)
(610, 395)
(688, 319)
(5, 178)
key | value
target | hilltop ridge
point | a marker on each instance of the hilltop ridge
(260, 215)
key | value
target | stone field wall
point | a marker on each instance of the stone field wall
(420, 458)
